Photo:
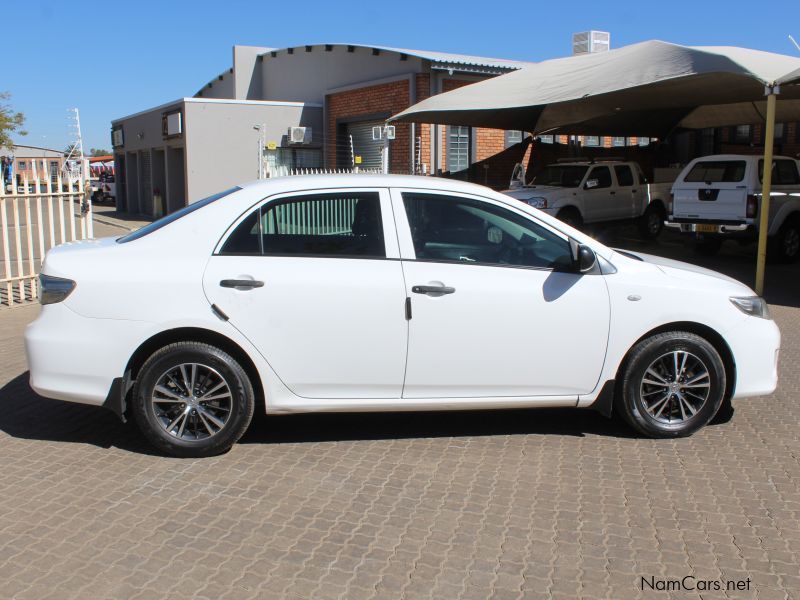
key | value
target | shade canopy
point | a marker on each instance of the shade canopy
(645, 89)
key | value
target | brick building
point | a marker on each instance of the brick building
(32, 162)
(195, 146)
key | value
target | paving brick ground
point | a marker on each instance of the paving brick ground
(522, 504)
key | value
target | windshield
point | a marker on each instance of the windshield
(569, 176)
(156, 225)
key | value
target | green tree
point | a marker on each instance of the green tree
(10, 122)
(99, 152)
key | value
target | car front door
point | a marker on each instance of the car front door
(599, 195)
(496, 310)
(313, 280)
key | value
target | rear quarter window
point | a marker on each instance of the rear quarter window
(716, 171)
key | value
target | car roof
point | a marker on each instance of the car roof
(305, 182)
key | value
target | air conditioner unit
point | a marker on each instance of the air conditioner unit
(299, 135)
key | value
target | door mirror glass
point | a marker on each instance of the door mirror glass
(591, 183)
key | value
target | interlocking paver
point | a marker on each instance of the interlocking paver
(522, 504)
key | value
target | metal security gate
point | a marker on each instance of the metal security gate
(34, 217)
(363, 145)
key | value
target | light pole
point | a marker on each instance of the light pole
(261, 142)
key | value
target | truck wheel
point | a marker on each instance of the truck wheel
(785, 245)
(571, 216)
(671, 385)
(652, 222)
(707, 247)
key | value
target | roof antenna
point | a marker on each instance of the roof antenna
(796, 45)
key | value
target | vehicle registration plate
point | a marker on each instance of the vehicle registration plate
(705, 228)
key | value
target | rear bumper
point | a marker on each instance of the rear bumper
(731, 228)
(76, 358)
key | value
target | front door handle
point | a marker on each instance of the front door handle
(241, 283)
(432, 289)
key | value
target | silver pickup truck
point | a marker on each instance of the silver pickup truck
(718, 197)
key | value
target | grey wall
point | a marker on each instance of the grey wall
(247, 72)
(306, 76)
(221, 144)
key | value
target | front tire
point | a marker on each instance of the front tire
(192, 400)
(671, 385)
(571, 216)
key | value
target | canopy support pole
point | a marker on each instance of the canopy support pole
(771, 92)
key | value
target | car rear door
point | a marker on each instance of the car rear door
(629, 193)
(712, 190)
(313, 280)
(494, 311)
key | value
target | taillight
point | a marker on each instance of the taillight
(752, 206)
(670, 203)
(54, 289)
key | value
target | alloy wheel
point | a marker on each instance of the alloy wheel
(675, 387)
(192, 401)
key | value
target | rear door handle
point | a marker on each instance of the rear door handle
(241, 283)
(433, 289)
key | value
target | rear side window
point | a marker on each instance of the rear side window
(335, 224)
(784, 172)
(624, 175)
(156, 225)
(716, 171)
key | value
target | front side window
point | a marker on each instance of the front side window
(329, 224)
(602, 175)
(455, 229)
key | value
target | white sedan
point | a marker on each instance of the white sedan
(385, 293)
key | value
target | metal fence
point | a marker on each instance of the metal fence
(34, 217)
(284, 171)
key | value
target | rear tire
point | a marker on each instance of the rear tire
(784, 247)
(651, 223)
(192, 400)
(571, 216)
(671, 385)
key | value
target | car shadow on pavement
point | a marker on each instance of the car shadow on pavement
(26, 415)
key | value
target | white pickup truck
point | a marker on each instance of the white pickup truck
(583, 192)
(719, 197)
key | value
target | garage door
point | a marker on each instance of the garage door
(363, 145)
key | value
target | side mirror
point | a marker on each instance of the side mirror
(583, 257)
(591, 183)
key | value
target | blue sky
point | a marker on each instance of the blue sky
(111, 58)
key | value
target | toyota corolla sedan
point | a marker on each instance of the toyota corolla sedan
(385, 293)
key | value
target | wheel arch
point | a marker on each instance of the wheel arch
(659, 203)
(192, 334)
(705, 332)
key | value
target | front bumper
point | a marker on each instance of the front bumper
(755, 344)
(76, 358)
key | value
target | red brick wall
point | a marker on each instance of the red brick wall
(488, 142)
(383, 99)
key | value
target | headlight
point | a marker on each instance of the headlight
(537, 202)
(754, 306)
(54, 289)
